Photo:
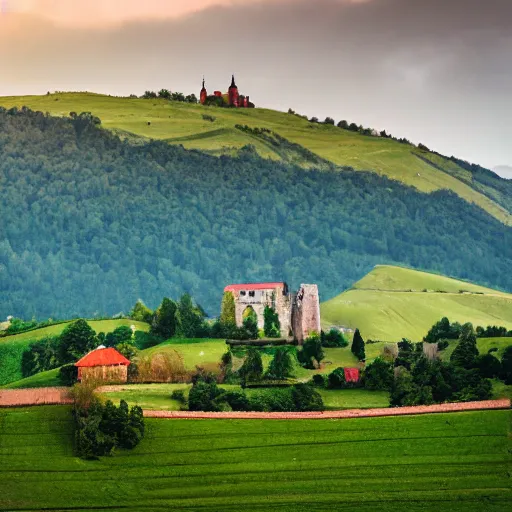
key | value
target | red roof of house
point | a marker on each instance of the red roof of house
(103, 357)
(351, 374)
(253, 286)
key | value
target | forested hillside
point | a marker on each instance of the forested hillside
(91, 223)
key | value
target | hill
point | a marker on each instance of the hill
(139, 120)
(413, 463)
(93, 223)
(391, 303)
(12, 348)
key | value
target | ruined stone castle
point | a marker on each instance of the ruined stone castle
(299, 313)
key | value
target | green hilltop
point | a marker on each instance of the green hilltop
(185, 124)
(391, 303)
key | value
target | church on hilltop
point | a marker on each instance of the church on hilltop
(232, 98)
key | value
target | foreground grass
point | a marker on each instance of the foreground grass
(455, 462)
(12, 347)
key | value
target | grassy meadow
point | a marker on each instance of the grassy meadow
(456, 462)
(12, 347)
(182, 123)
(391, 303)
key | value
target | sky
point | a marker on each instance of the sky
(437, 72)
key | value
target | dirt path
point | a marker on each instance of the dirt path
(350, 413)
(36, 396)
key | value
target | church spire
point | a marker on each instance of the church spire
(203, 83)
(233, 81)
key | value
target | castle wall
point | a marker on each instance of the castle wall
(306, 312)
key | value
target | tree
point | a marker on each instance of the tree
(333, 339)
(141, 312)
(281, 365)
(306, 398)
(506, 365)
(127, 350)
(251, 326)
(77, 339)
(378, 375)
(358, 346)
(272, 325)
(314, 120)
(466, 352)
(164, 322)
(227, 312)
(122, 334)
(336, 379)
(489, 366)
(343, 124)
(353, 127)
(203, 396)
(189, 317)
(165, 94)
(312, 349)
(329, 120)
(252, 368)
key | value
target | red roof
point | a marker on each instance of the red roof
(351, 374)
(253, 286)
(103, 357)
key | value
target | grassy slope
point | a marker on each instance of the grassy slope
(181, 123)
(456, 462)
(381, 306)
(12, 347)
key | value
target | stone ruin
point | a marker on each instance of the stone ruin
(299, 313)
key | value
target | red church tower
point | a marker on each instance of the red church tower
(233, 93)
(203, 95)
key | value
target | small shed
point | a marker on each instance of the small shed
(105, 364)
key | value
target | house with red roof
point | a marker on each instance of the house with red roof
(103, 364)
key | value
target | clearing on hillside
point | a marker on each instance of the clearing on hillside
(183, 123)
(391, 303)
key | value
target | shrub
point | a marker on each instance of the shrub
(281, 365)
(378, 375)
(333, 339)
(311, 350)
(252, 368)
(272, 326)
(489, 366)
(203, 396)
(336, 379)
(68, 374)
(179, 395)
(442, 345)
(318, 380)
(306, 398)
(272, 400)
(237, 400)
(506, 365)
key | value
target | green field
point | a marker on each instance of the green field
(390, 304)
(181, 123)
(158, 396)
(12, 347)
(456, 462)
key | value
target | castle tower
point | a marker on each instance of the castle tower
(233, 95)
(203, 95)
(306, 312)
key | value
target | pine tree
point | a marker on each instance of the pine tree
(227, 312)
(466, 352)
(281, 366)
(358, 346)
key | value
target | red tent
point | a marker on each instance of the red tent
(351, 374)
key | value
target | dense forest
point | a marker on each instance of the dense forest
(91, 223)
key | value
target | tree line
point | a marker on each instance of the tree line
(90, 223)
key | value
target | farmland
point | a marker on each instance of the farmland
(455, 462)
(181, 123)
(391, 303)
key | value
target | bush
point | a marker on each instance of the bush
(68, 374)
(336, 379)
(506, 365)
(333, 339)
(179, 396)
(272, 400)
(318, 380)
(281, 365)
(306, 398)
(237, 400)
(442, 345)
(311, 350)
(488, 366)
(252, 368)
(378, 375)
(203, 396)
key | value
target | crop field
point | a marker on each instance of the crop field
(181, 123)
(12, 347)
(456, 462)
(391, 303)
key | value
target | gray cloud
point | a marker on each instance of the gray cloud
(435, 71)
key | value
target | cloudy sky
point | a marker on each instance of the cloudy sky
(434, 71)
